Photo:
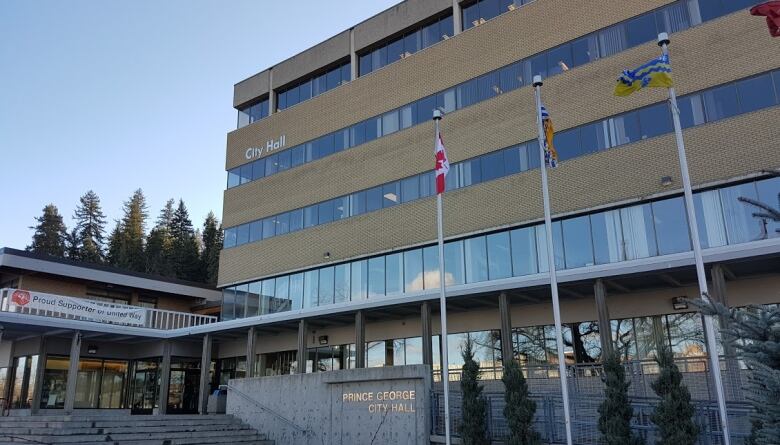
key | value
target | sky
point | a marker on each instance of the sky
(113, 96)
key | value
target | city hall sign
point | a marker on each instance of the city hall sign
(271, 145)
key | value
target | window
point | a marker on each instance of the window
(376, 277)
(358, 203)
(523, 243)
(410, 189)
(607, 237)
(498, 254)
(269, 227)
(691, 110)
(476, 259)
(374, 199)
(413, 270)
(454, 265)
(242, 234)
(671, 226)
(640, 30)
(296, 291)
(756, 93)
(310, 216)
(720, 102)
(234, 178)
(391, 194)
(431, 274)
(296, 220)
(325, 212)
(584, 50)
(314, 86)
(341, 292)
(741, 225)
(769, 193)
(327, 282)
(228, 303)
(394, 274)
(230, 237)
(253, 299)
(577, 242)
(492, 166)
(359, 280)
(709, 217)
(311, 284)
(655, 120)
(638, 233)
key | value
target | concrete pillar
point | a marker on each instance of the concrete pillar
(457, 17)
(360, 339)
(302, 350)
(353, 58)
(507, 352)
(165, 378)
(271, 95)
(251, 336)
(73, 371)
(36, 391)
(427, 334)
(605, 328)
(205, 378)
(262, 363)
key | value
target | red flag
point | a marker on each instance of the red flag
(770, 10)
(442, 164)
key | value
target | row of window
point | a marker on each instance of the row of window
(628, 233)
(407, 44)
(313, 86)
(711, 105)
(252, 113)
(677, 16)
(483, 10)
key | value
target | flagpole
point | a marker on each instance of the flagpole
(551, 262)
(663, 42)
(445, 377)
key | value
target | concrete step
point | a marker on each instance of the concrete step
(102, 437)
(121, 429)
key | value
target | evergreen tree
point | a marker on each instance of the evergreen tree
(615, 412)
(73, 245)
(133, 233)
(186, 257)
(50, 233)
(90, 228)
(473, 428)
(114, 253)
(159, 244)
(212, 245)
(758, 329)
(674, 414)
(520, 409)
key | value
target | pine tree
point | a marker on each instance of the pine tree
(758, 330)
(212, 245)
(185, 247)
(73, 245)
(159, 244)
(520, 409)
(615, 412)
(473, 428)
(133, 233)
(50, 233)
(674, 414)
(114, 251)
(90, 228)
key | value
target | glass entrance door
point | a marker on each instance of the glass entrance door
(183, 390)
(143, 392)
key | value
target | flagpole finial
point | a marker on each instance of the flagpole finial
(663, 39)
(437, 115)
(538, 80)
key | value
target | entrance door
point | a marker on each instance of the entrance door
(143, 393)
(184, 386)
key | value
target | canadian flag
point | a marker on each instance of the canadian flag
(442, 164)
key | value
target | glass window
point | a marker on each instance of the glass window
(241, 292)
(691, 110)
(242, 234)
(623, 338)
(234, 178)
(721, 102)
(769, 193)
(412, 43)
(431, 267)
(410, 189)
(374, 199)
(638, 232)
(492, 165)
(686, 334)
(358, 203)
(271, 165)
(230, 237)
(559, 60)
(655, 120)
(741, 225)
(407, 115)
(296, 220)
(228, 303)
(674, 18)
(246, 173)
(334, 78)
(373, 128)
(577, 242)
(296, 291)
(395, 50)
(258, 169)
(425, 107)
(454, 264)
(607, 237)
(269, 227)
(430, 34)
(359, 280)
(512, 162)
(340, 140)
(281, 99)
(365, 64)
(413, 351)
(541, 243)
(311, 284)
(255, 231)
(357, 134)
(394, 274)
(476, 259)
(640, 30)
(470, 16)
(755, 93)
(375, 354)
(471, 174)
(243, 118)
(267, 305)
(568, 144)
(499, 258)
(671, 226)
(413, 270)
(612, 40)
(709, 217)
(376, 277)
(282, 290)
(511, 77)
(594, 137)
(523, 251)
(342, 281)
(391, 194)
(326, 212)
(310, 216)
(305, 90)
(585, 50)
(624, 129)
(446, 27)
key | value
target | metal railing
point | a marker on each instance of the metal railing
(586, 391)
(159, 319)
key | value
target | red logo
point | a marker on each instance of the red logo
(20, 297)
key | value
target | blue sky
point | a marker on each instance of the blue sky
(116, 95)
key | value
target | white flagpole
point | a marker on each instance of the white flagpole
(709, 330)
(551, 262)
(445, 377)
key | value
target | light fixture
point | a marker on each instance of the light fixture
(323, 339)
(92, 349)
(326, 255)
(679, 303)
(666, 181)
(511, 7)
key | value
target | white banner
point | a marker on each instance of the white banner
(78, 307)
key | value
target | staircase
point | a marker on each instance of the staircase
(124, 429)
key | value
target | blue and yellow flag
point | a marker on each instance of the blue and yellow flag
(656, 73)
(550, 155)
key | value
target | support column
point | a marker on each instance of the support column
(605, 328)
(427, 334)
(205, 378)
(353, 58)
(36, 390)
(251, 336)
(271, 95)
(301, 357)
(457, 17)
(165, 378)
(73, 371)
(360, 339)
(507, 352)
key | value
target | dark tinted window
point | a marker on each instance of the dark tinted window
(374, 199)
(492, 166)
(721, 102)
(296, 220)
(640, 30)
(326, 212)
(269, 227)
(756, 93)
(258, 169)
(567, 143)
(410, 189)
(655, 120)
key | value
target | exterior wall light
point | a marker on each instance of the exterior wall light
(323, 339)
(92, 349)
(666, 181)
(679, 303)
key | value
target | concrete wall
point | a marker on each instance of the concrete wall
(5, 354)
(323, 405)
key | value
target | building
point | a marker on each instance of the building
(330, 215)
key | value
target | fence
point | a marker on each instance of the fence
(159, 319)
(586, 391)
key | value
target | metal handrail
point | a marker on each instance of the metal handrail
(270, 411)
